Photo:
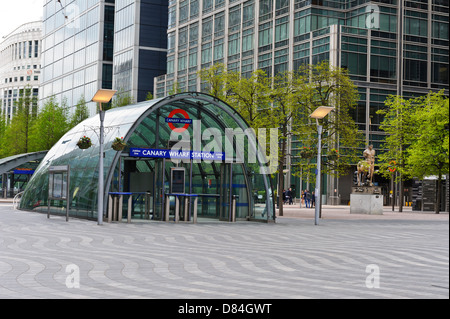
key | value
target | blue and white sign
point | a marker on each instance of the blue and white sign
(178, 120)
(169, 154)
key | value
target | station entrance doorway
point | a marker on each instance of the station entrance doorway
(205, 189)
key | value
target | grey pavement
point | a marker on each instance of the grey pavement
(394, 255)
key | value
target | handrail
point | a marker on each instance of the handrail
(17, 198)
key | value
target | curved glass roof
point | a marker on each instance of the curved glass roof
(143, 125)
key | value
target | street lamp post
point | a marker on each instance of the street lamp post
(319, 113)
(102, 96)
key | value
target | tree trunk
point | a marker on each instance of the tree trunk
(280, 189)
(400, 195)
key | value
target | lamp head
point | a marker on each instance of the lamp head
(103, 96)
(321, 112)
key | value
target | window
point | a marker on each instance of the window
(356, 64)
(282, 29)
(193, 59)
(193, 8)
(281, 61)
(182, 61)
(265, 34)
(382, 67)
(248, 15)
(218, 49)
(415, 26)
(219, 25)
(207, 5)
(184, 11)
(440, 30)
(36, 48)
(265, 9)
(182, 38)
(301, 55)
(193, 34)
(247, 40)
(233, 45)
(415, 70)
(302, 25)
(30, 48)
(206, 53)
(171, 42)
(172, 20)
(207, 29)
(234, 19)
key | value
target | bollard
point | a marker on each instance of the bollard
(233, 209)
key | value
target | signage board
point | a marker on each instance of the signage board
(180, 154)
(177, 180)
(24, 171)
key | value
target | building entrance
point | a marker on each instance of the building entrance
(153, 182)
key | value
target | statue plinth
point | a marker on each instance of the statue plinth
(366, 200)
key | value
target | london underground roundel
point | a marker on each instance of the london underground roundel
(171, 120)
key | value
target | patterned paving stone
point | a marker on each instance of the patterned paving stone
(340, 258)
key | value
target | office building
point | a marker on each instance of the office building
(20, 65)
(94, 44)
(389, 47)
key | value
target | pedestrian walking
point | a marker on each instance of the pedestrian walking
(313, 200)
(302, 198)
(289, 196)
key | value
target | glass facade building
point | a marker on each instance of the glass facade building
(94, 44)
(145, 126)
(388, 46)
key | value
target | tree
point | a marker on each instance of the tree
(80, 114)
(50, 125)
(400, 127)
(325, 85)
(286, 101)
(214, 80)
(251, 97)
(283, 112)
(428, 153)
(175, 89)
(120, 99)
(17, 134)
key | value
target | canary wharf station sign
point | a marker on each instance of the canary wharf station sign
(179, 154)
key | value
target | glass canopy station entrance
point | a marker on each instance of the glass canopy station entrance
(189, 157)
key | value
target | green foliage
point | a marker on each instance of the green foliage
(214, 80)
(418, 137)
(45, 131)
(80, 114)
(400, 127)
(428, 153)
(175, 89)
(16, 136)
(120, 99)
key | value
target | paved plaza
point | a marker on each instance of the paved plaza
(395, 255)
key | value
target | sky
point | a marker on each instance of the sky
(14, 13)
